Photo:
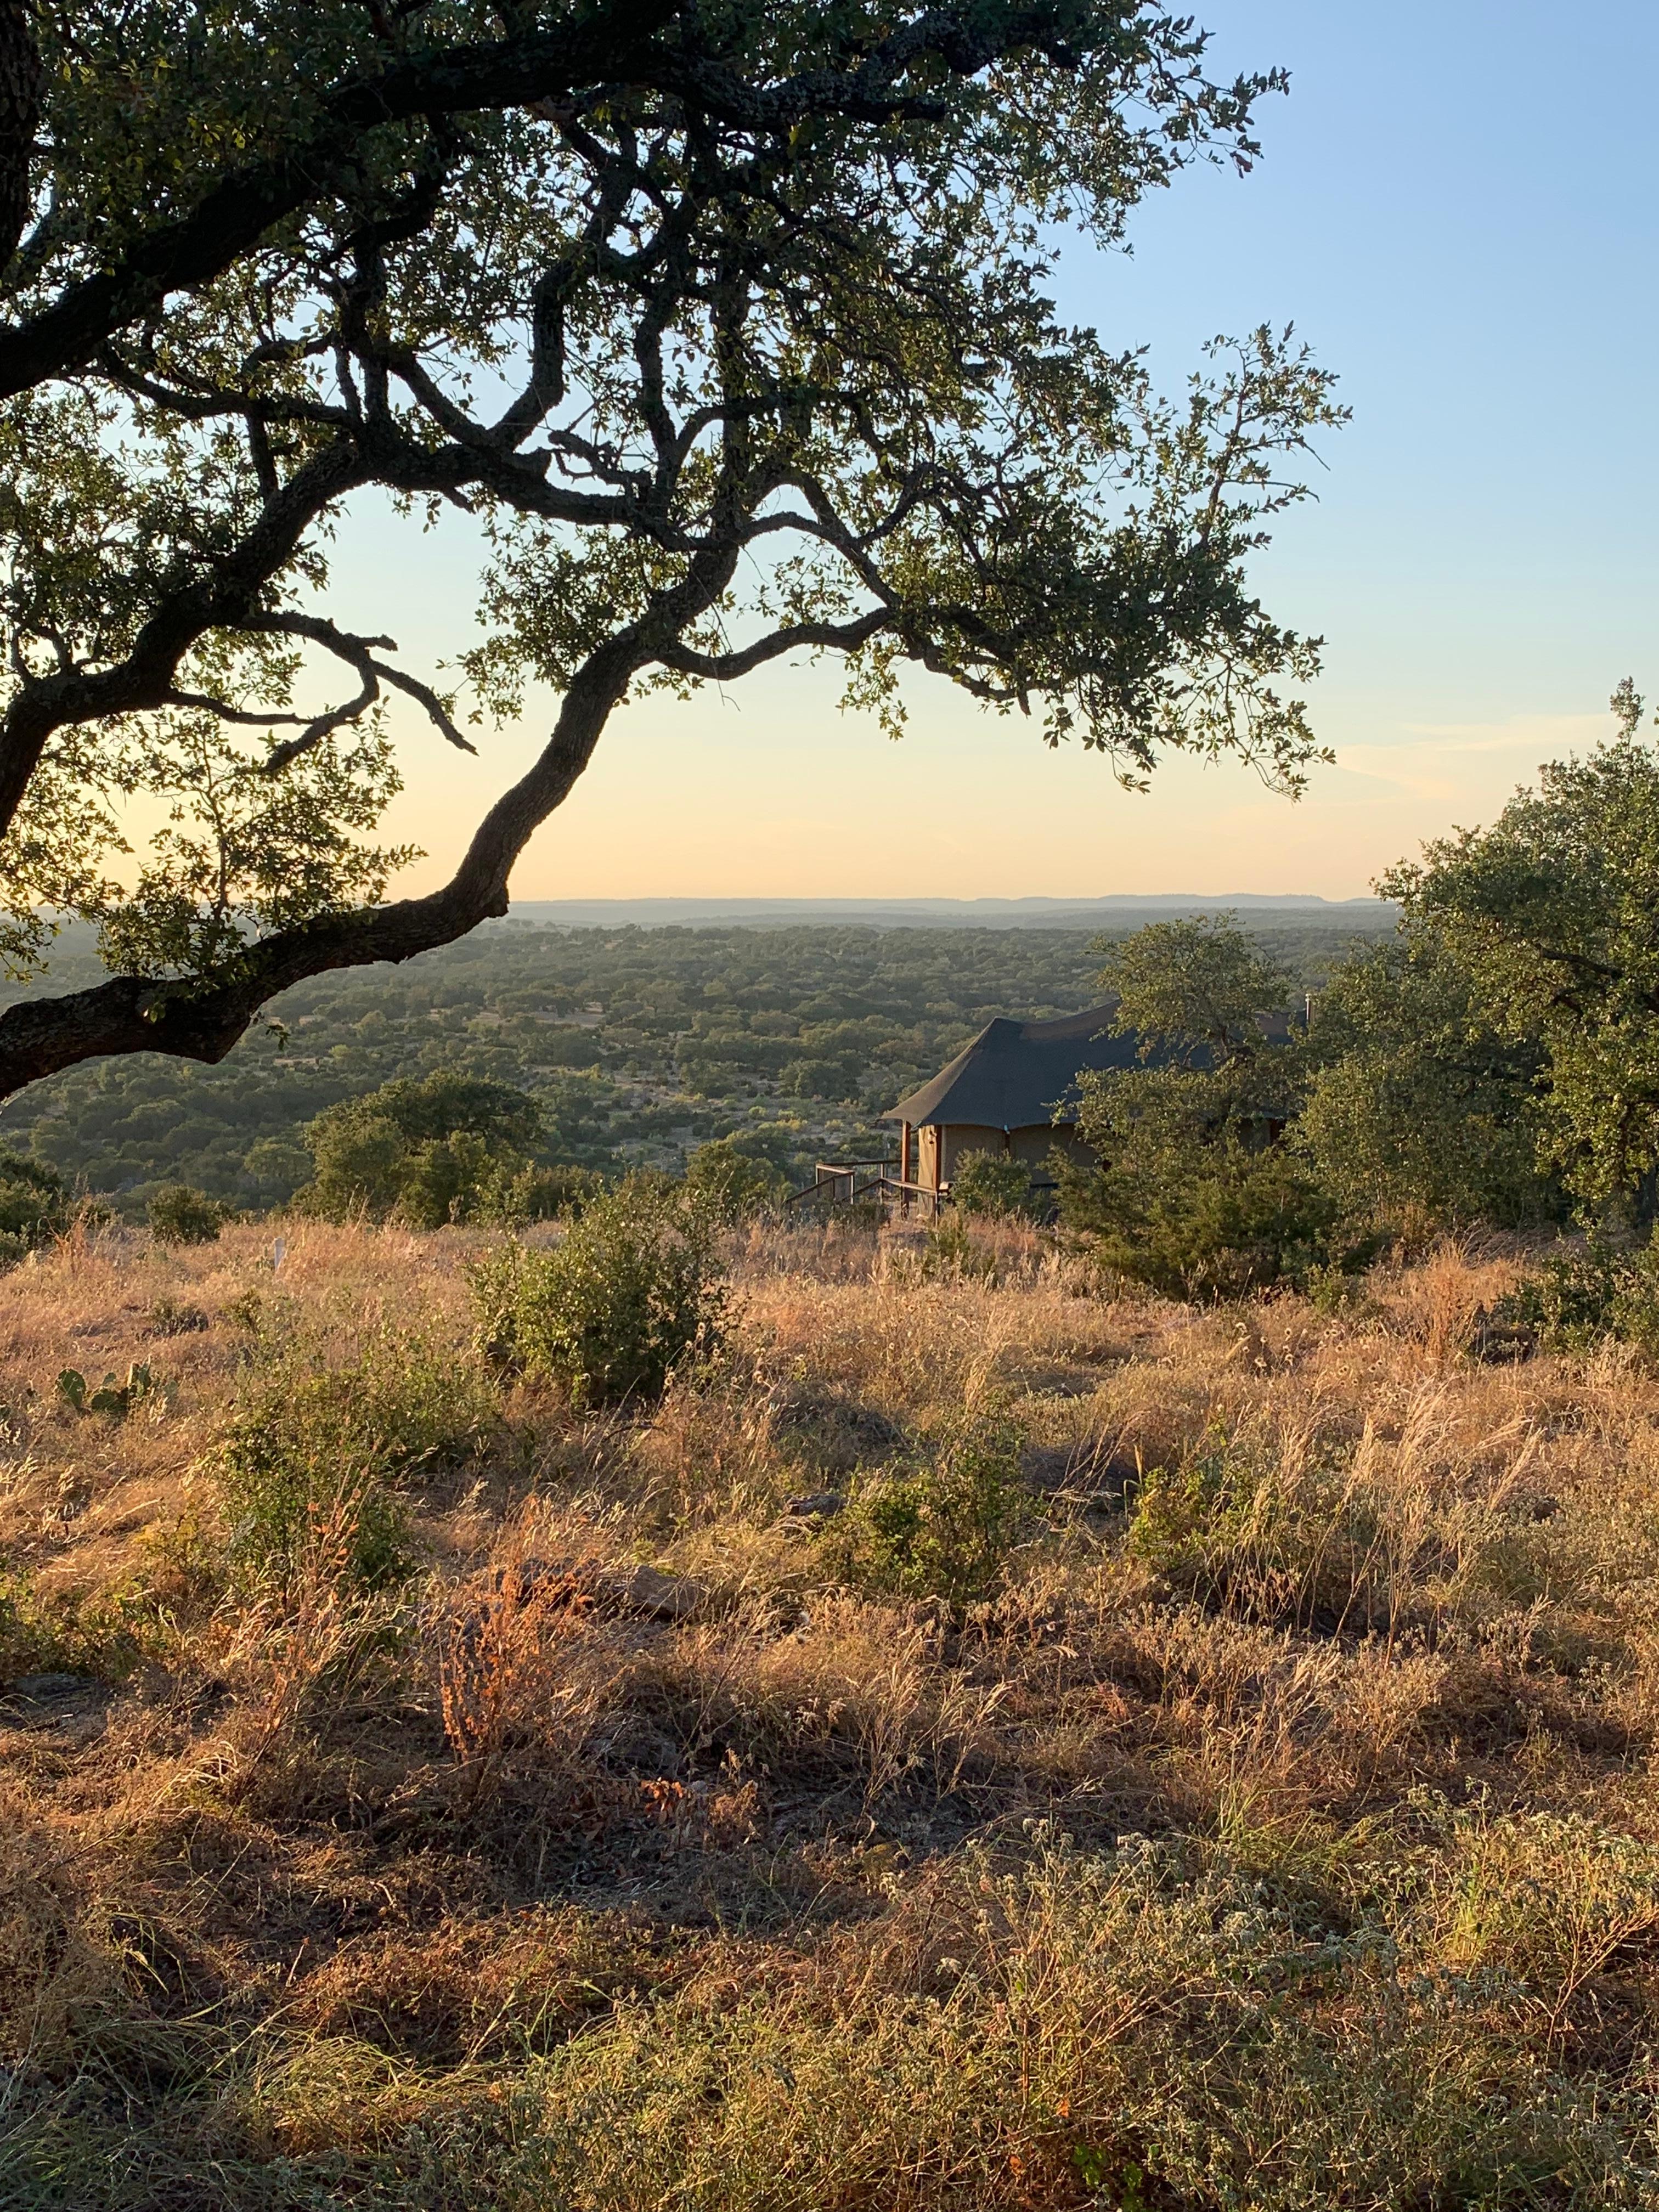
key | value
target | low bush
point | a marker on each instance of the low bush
(181, 1215)
(610, 1311)
(1191, 1210)
(986, 1183)
(1581, 1295)
(951, 1252)
(171, 1316)
(542, 1193)
(734, 1184)
(943, 1531)
(313, 1468)
(100, 1634)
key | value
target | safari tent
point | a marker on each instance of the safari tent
(1012, 1091)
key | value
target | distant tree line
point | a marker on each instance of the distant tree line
(638, 1045)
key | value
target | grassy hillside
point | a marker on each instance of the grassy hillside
(1275, 1828)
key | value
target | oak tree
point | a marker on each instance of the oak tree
(730, 326)
(1550, 914)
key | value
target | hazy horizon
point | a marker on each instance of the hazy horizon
(1037, 907)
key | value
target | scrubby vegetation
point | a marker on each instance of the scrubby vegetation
(638, 1045)
(680, 1705)
(179, 1214)
(611, 1309)
(969, 1740)
(452, 1147)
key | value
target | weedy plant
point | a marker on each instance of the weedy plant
(608, 1313)
(950, 1252)
(310, 1445)
(944, 1531)
(511, 1667)
(1284, 1530)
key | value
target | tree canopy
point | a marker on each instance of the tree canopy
(1552, 913)
(1188, 1189)
(453, 1148)
(729, 326)
(1196, 987)
(1419, 1106)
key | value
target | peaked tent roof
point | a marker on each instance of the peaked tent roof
(1019, 1075)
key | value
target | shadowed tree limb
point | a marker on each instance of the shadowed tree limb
(20, 77)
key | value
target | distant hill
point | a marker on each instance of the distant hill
(1117, 912)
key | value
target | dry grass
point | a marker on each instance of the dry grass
(1281, 1830)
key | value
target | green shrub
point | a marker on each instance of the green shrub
(1188, 1518)
(313, 1468)
(1191, 1197)
(987, 1183)
(608, 1312)
(1583, 1294)
(30, 1644)
(103, 1634)
(181, 1215)
(276, 1167)
(733, 1183)
(944, 1531)
(33, 1207)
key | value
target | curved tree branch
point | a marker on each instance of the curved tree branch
(828, 637)
(202, 1020)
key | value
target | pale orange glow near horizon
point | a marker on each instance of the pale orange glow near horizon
(771, 792)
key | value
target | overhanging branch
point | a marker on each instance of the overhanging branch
(829, 637)
(359, 653)
(203, 1019)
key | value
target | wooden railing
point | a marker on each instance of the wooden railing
(850, 1182)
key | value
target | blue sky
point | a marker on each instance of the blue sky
(1456, 206)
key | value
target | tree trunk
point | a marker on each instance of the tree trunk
(20, 114)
